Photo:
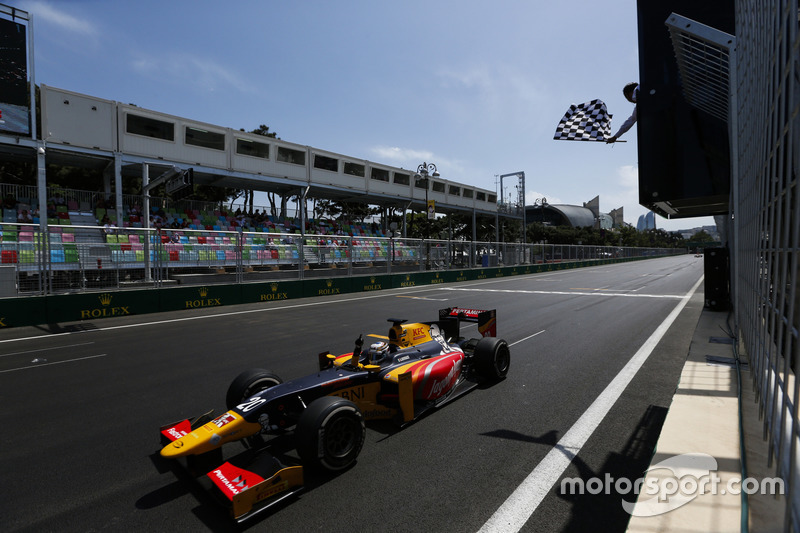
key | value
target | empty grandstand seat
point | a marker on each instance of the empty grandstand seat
(67, 237)
(8, 256)
(133, 239)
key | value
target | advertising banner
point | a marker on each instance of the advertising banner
(14, 107)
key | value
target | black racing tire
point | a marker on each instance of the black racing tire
(330, 434)
(248, 383)
(492, 358)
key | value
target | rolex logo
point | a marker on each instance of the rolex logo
(329, 283)
(203, 292)
(372, 279)
(274, 287)
(105, 298)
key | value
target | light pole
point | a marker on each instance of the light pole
(424, 172)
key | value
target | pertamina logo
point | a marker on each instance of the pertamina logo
(203, 301)
(274, 295)
(107, 310)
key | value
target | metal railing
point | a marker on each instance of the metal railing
(84, 258)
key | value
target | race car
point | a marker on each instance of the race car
(415, 368)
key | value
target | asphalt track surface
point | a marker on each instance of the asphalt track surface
(81, 409)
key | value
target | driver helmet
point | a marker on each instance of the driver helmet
(378, 351)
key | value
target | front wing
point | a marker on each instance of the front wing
(246, 484)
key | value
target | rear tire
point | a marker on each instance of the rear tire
(330, 433)
(492, 358)
(248, 383)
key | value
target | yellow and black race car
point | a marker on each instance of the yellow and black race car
(416, 367)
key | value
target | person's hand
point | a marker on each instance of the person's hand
(611, 139)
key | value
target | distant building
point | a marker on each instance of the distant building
(646, 221)
(575, 216)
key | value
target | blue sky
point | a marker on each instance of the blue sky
(475, 87)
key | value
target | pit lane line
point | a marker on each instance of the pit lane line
(521, 504)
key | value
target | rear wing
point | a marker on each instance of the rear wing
(486, 319)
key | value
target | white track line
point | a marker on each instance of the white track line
(593, 292)
(53, 363)
(46, 349)
(518, 508)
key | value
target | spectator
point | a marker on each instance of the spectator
(24, 217)
(108, 227)
(51, 210)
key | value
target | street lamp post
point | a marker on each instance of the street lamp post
(424, 172)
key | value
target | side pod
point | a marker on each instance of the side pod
(406, 392)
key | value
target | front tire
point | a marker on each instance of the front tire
(330, 433)
(492, 358)
(248, 383)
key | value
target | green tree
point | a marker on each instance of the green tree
(702, 236)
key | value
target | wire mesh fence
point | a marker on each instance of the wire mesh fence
(78, 258)
(766, 224)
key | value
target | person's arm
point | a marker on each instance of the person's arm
(628, 124)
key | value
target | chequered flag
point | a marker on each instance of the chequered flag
(589, 121)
